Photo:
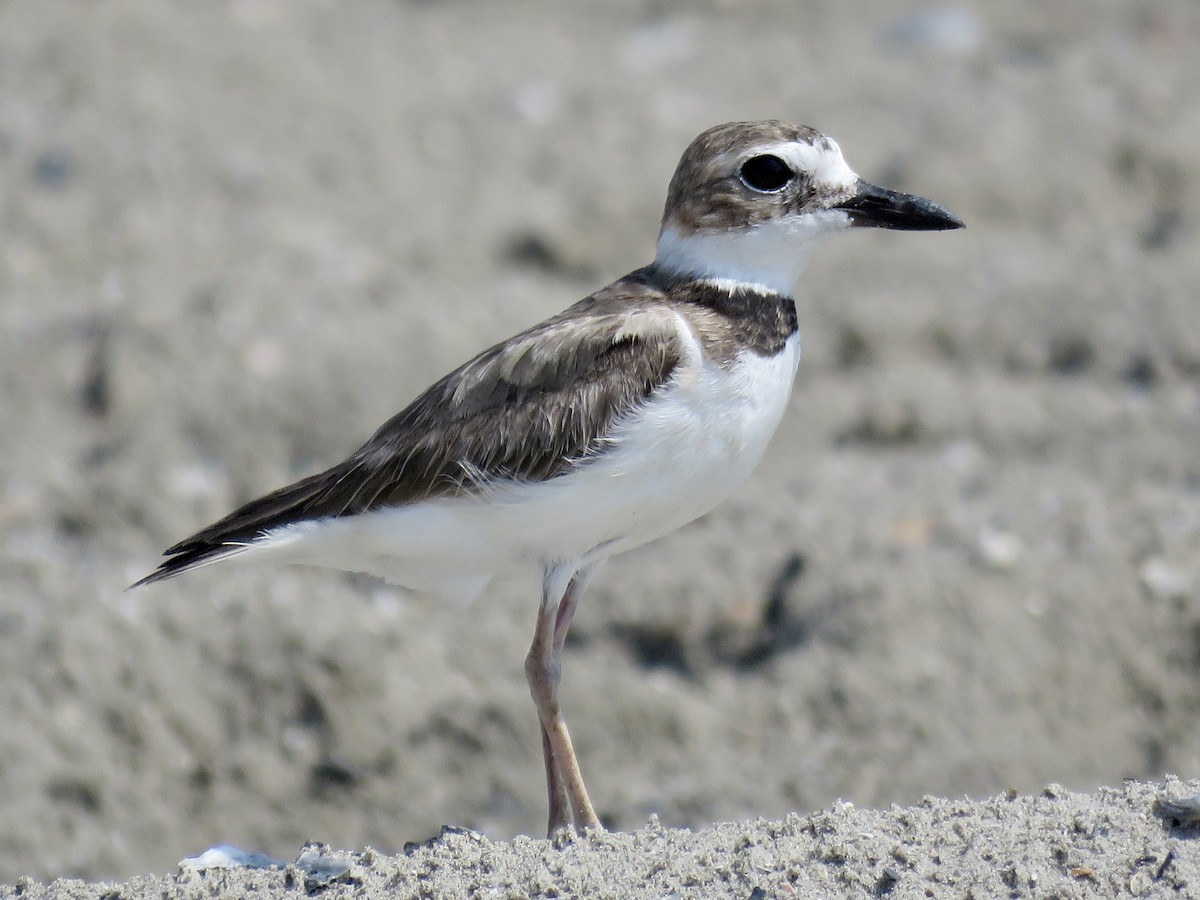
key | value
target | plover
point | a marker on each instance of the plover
(622, 418)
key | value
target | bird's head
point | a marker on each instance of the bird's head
(749, 200)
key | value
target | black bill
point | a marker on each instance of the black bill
(876, 207)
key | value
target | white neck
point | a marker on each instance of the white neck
(770, 255)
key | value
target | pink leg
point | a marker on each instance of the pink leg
(568, 798)
(560, 806)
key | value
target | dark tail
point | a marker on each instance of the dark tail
(304, 500)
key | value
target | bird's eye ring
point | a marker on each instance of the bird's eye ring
(766, 174)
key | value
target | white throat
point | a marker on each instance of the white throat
(769, 255)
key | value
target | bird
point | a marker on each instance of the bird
(631, 413)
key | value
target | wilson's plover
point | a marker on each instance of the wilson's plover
(629, 414)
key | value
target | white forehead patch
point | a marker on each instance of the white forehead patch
(822, 161)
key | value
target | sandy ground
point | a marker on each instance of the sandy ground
(236, 236)
(1053, 844)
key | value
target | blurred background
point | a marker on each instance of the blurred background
(236, 236)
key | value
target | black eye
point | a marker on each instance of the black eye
(766, 173)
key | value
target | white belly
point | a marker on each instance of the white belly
(681, 456)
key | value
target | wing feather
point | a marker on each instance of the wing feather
(528, 409)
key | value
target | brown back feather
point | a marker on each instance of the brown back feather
(528, 409)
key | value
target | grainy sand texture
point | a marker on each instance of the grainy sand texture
(236, 236)
(1114, 843)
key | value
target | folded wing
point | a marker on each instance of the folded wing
(526, 410)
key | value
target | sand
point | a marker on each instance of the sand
(237, 236)
(1053, 844)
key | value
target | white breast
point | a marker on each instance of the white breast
(690, 448)
(680, 456)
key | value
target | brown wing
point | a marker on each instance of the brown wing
(527, 409)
